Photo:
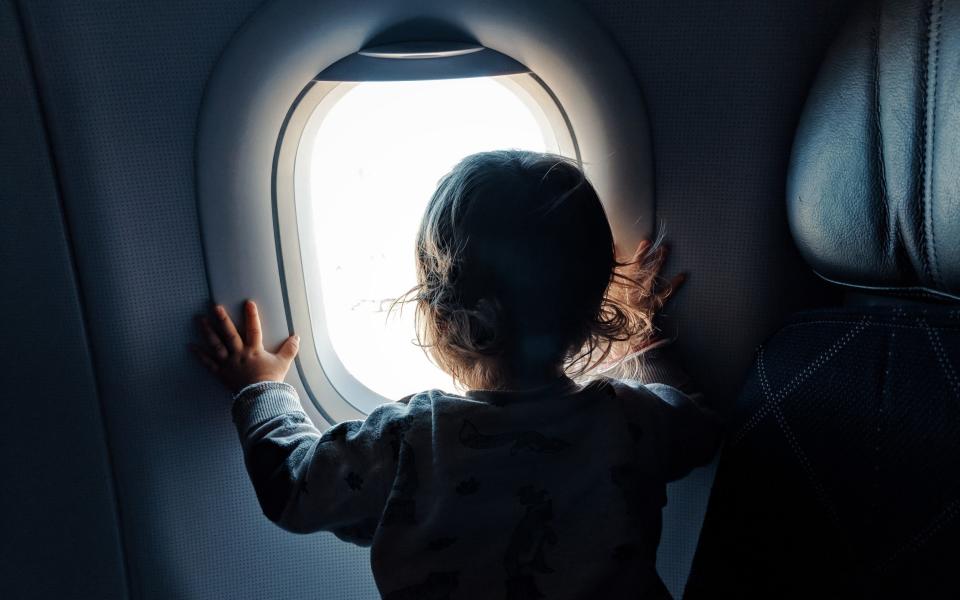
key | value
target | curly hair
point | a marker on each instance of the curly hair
(517, 272)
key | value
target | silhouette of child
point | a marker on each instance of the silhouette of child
(529, 485)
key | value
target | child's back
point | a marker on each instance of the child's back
(550, 492)
(553, 493)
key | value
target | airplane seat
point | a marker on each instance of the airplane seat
(840, 475)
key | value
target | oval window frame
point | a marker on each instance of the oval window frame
(318, 360)
(286, 43)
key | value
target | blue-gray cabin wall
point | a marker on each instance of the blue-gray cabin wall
(121, 84)
(59, 533)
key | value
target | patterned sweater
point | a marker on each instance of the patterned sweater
(552, 493)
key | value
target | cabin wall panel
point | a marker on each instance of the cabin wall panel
(59, 533)
(122, 85)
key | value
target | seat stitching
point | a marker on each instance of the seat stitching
(799, 378)
(885, 396)
(792, 440)
(879, 325)
(805, 463)
(952, 509)
(942, 357)
(944, 518)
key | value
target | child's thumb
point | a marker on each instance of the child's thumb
(288, 350)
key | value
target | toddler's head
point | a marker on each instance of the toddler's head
(514, 259)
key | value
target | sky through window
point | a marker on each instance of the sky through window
(378, 155)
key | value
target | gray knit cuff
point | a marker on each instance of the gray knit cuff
(259, 402)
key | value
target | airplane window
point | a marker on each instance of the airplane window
(365, 171)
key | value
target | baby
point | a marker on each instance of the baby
(530, 484)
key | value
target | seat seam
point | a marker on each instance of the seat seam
(794, 443)
(828, 354)
(885, 393)
(909, 291)
(881, 325)
(930, 97)
(942, 359)
(920, 192)
(890, 249)
(943, 518)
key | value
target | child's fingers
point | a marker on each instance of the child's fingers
(205, 358)
(651, 267)
(231, 338)
(670, 289)
(642, 248)
(212, 338)
(252, 324)
(288, 350)
(677, 282)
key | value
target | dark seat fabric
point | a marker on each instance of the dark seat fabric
(840, 477)
(873, 192)
(841, 472)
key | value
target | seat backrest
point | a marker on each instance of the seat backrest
(840, 476)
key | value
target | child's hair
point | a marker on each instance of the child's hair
(515, 260)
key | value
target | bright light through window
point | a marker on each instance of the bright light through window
(377, 157)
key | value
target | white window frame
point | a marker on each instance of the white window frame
(286, 43)
(318, 361)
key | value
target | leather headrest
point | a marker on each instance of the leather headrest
(873, 191)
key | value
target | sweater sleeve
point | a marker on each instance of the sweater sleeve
(306, 481)
(686, 434)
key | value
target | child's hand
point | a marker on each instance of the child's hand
(644, 289)
(651, 291)
(240, 361)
